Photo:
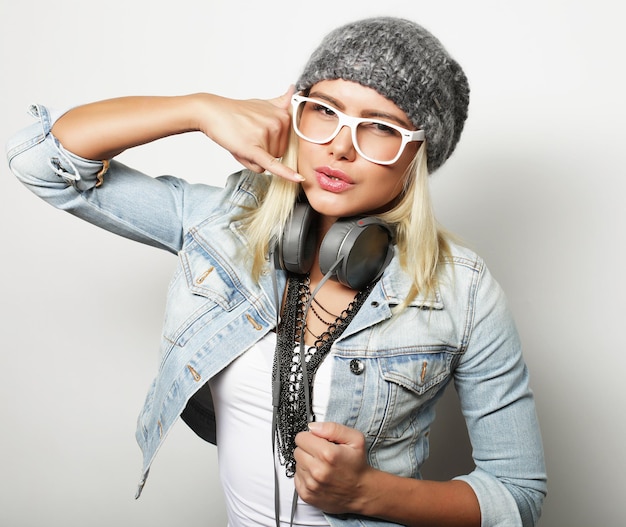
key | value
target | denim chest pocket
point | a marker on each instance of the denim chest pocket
(201, 290)
(409, 383)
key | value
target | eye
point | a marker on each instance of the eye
(380, 128)
(324, 110)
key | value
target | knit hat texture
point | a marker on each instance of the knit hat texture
(404, 63)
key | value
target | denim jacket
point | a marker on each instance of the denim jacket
(390, 367)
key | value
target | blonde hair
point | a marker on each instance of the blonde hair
(421, 243)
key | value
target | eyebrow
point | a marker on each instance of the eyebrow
(375, 114)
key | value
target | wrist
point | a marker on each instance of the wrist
(368, 491)
(196, 108)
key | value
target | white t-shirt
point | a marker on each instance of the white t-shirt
(242, 395)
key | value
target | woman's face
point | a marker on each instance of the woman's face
(338, 181)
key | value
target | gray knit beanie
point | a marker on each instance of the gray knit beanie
(407, 65)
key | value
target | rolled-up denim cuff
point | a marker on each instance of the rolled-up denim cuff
(73, 170)
(498, 508)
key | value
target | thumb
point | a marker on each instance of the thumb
(284, 101)
(336, 433)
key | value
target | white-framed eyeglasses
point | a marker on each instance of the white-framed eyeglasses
(377, 141)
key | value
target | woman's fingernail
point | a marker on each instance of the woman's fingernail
(313, 426)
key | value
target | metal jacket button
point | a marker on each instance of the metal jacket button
(356, 366)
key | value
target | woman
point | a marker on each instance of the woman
(333, 393)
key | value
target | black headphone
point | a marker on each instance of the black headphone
(356, 250)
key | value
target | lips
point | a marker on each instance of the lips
(332, 180)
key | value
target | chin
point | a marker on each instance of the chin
(332, 210)
(329, 204)
(345, 208)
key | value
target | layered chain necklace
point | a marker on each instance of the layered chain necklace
(293, 387)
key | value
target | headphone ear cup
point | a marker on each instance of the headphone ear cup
(365, 246)
(296, 247)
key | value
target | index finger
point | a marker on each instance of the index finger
(272, 165)
(310, 444)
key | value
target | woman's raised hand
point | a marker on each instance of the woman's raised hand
(254, 131)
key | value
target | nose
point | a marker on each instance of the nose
(342, 146)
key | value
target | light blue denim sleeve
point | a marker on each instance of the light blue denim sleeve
(129, 203)
(498, 405)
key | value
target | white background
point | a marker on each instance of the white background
(535, 187)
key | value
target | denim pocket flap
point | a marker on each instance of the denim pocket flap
(417, 372)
